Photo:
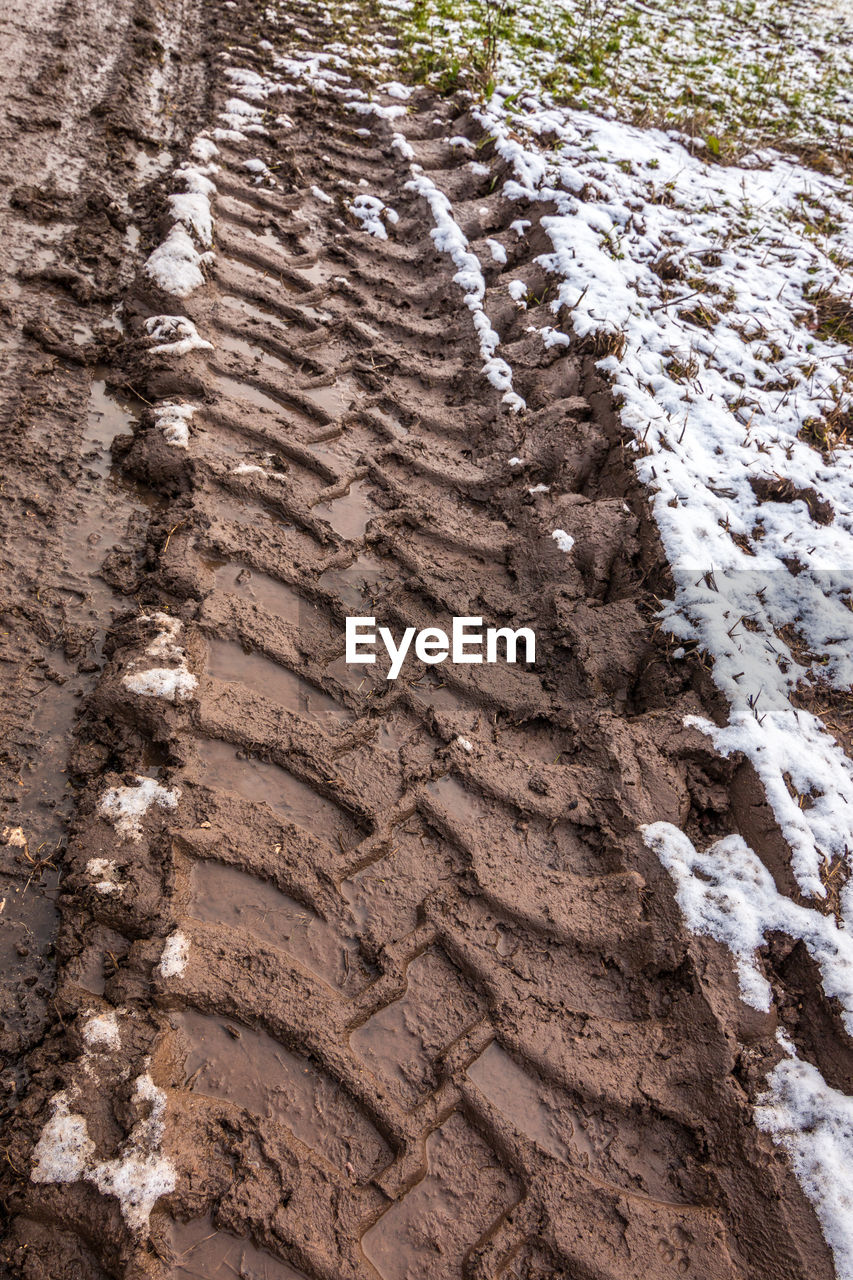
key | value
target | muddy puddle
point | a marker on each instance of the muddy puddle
(356, 584)
(200, 1251)
(222, 894)
(402, 1043)
(229, 661)
(509, 1088)
(464, 1192)
(247, 350)
(248, 277)
(336, 397)
(251, 1069)
(384, 897)
(253, 310)
(247, 395)
(261, 783)
(349, 515)
(97, 519)
(253, 584)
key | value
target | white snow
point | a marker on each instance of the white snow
(176, 335)
(173, 421)
(449, 238)
(261, 171)
(192, 210)
(173, 684)
(176, 264)
(176, 683)
(101, 1032)
(102, 872)
(173, 960)
(126, 806)
(203, 149)
(760, 374)
(372, 213)
(403, 148)
(727, 892)
(138, 1174)
(497, 251)
(396, 90)
(814, 1124)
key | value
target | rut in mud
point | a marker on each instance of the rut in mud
(371, 977)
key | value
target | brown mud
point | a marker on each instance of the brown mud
(411, 997)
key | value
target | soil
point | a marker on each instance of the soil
(438, 1016)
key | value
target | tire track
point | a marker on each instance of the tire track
(415, 995)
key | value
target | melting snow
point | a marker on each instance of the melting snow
(126, 806)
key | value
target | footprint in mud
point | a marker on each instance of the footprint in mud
(674, 1249)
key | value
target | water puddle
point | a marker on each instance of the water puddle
(314, 275)
(355, 585)
(335, 398)
(252, 584)
(254, 1071)
(95, 521)
(148, 167)
(385, 897)
(250, 351)
(223, 895)
(464, 1192)
(203, 1252)
(349, 514)
(245, 394)
(232, 508)
(254, 310)
(228, 661)
(263, 783)
(256, 278)
(509, 1088)
(402, 1042)
(457, 800)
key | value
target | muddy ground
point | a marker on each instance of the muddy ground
(391, 985)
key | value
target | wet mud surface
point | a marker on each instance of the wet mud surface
(392, 986)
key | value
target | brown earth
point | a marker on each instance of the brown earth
(439, 1017)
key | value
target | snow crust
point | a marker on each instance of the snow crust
(173, 960)
(138, 1174)
(125, 807)
(176, 335)
(176, 265)
(104, 876)
(757, 374)
(173, 420)
(727, 892)
(175, 683)
(372, 213)
(449, 238)
(813, 1123)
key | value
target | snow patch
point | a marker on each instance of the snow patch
(176, 335)
(173, 960)
(126, 806)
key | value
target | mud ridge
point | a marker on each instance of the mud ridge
(363, 978)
